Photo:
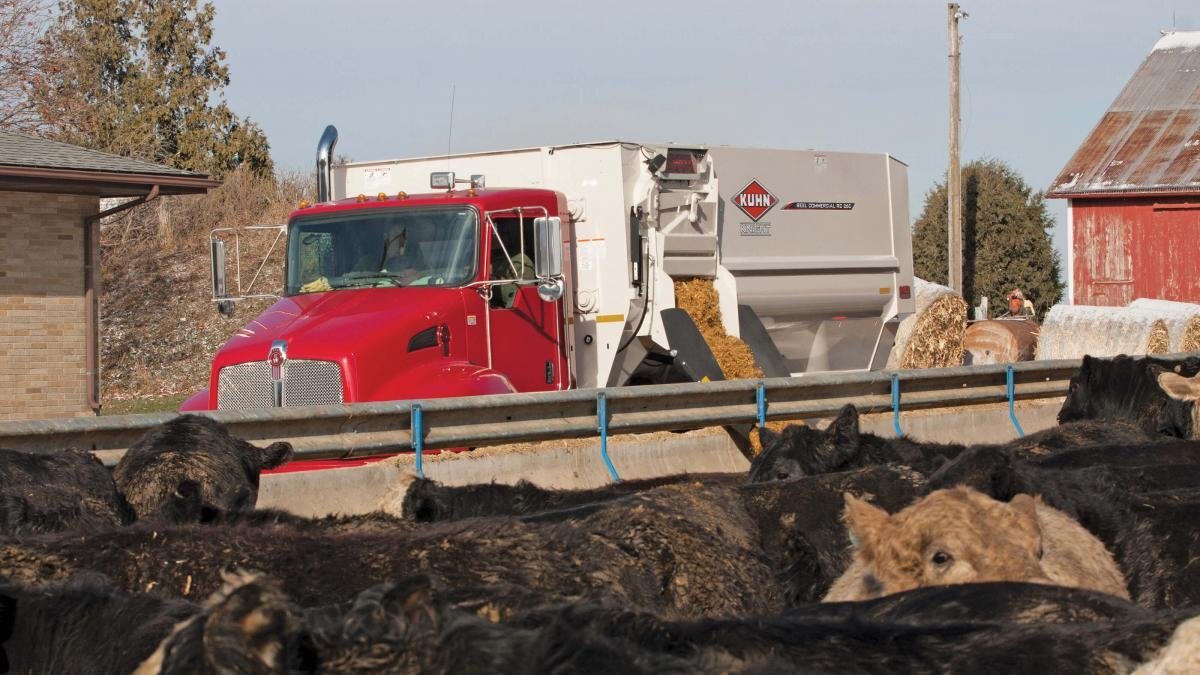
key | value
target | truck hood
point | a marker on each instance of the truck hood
(337, 325)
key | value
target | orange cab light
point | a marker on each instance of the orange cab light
(362, 198)
(470, 192)
(303, 204)
(402, 195)
(381, 196)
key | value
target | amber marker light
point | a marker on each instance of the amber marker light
(362, 198)
(402, 195)
(303, 204)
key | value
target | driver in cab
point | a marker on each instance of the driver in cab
(399, 259)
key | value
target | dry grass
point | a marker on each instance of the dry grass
(1159, 341)
(159, 327)
(699, 298)
(933, 336)
(1191, 335)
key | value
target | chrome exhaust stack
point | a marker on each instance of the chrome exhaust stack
(325, 163)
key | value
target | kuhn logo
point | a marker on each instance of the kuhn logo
(754, 200)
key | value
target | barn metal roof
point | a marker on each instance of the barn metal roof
(1149, 139)
(40, 165)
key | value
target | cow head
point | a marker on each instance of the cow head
(193, 465)
(1128, 388)
(804, 451)
(1185, 389)
(950, 537)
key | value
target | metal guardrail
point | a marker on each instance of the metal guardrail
(364, 429)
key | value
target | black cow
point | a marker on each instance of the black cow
(83, 626)
(8, 612)
(686, 550)
(428, 501)
(985, 628)
(57, 491)
(800, 522)
(806, 451)
(190, 469)
(1128, 388)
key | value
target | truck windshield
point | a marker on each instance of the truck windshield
(380, 248)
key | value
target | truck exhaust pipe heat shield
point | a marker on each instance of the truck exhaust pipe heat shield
(325, 163)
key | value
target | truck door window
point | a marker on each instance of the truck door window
(511, 261)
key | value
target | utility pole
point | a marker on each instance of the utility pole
(954, 274)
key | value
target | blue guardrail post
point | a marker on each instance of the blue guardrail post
(602, 427)
(1012, 414)
(418, 437)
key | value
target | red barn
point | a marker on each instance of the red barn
(1133, 186)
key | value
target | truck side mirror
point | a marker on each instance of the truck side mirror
(547, 237)
(225, 307)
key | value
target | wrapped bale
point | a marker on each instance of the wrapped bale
(1073, 331)
(1182, 319)
(1000, 341)
(933, 336)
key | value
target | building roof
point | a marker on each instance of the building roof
(40, 165)
(1149, 139)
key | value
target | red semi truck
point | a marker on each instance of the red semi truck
(564, 276)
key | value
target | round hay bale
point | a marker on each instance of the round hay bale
(1182, 319)
(932, 337)
(999, 341)
(1073, 331)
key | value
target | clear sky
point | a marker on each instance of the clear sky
(835, 75)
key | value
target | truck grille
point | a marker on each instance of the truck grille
(248, 385)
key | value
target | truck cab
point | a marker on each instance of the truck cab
(397, 296)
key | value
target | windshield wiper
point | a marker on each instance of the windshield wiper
(371, 279)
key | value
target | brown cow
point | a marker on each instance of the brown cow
(959, 535)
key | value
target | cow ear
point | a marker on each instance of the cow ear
(865, 521)
(276, 454)
(845, 427)
(1024, 507)
(1179, 387)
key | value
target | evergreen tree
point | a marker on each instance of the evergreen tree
(140, 78)
(1006, 238)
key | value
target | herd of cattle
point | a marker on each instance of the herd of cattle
(1076, 549)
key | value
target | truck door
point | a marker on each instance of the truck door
(527, 333)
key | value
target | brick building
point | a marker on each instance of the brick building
(1133, 186)
(49, 275)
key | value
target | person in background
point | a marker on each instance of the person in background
(505, 295)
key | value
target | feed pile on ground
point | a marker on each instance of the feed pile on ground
(932, 337)
(1072, 331)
